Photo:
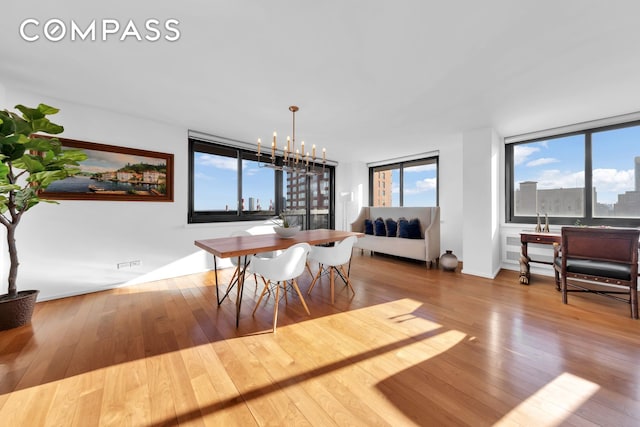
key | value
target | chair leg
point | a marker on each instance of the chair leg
(264, 291)
(275, 308)
(284, 291)
(634, 301)
(332, 280)
(294, 283)
(315, 279)
(346, 276)
(564, 289)
(557, 275)
(309, 269)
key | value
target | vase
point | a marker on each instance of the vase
(538, 225)
(449, 261)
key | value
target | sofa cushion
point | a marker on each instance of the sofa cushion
(406, 248)
(409, 229)
(392, 227)
(378, 227)
(368, 226)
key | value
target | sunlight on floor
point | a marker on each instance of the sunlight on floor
(553, 404)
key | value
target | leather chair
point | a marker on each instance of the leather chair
(603, 261)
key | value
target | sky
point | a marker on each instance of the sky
(559, 162)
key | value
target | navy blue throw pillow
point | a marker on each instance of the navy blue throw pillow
(379, 228)
(368, 226)
(414, 229)
(392, 227)
(403, 228)
(409, 229)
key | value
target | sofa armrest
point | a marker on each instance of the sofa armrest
(432, 236)
(358, 224)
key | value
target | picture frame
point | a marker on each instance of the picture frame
(117, 174)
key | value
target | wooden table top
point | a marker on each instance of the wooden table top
(225, 247)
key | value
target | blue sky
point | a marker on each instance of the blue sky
(559, 163)
(216, 182)
(420, 184)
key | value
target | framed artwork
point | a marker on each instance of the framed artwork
(116, 173)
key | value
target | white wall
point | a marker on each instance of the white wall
(74, 247)
(352, 192)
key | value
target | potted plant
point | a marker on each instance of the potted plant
(283, 227)
(29, 163)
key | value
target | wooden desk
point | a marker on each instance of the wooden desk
(243, 246)
(538, 238)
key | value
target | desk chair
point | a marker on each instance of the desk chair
(333, 258)
(280, 270)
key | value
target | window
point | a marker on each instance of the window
(228, 184)
(589, 177)
(410, 183)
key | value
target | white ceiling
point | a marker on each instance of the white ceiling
(373, 79)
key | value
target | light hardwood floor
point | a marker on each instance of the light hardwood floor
(412, 347)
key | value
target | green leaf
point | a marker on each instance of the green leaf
(30, 113)
(7, 127)
(30, 163)
(4, 171)
(47, 110)
(38, 144)
(5, 188)
(12, 151)
(43, 179)
(44, 125)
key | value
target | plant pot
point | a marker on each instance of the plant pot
(286, 232)
(15, 312)
(449, 261)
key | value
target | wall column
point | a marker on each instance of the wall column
(480, 202)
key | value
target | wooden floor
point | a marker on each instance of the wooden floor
(412, 347)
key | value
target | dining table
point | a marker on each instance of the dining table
(245, 246)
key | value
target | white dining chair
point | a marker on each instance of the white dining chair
(334, 259)
(281, 270)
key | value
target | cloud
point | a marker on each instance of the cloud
(422, 168)
(542, 161)
(422, 186)
(522, 152)
(218, 162)
(613, 180)
(556, 178)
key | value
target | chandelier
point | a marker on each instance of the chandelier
(294, 159)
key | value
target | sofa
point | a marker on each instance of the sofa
(419, 238)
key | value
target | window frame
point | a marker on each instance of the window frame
(400, 165)
(214, 216)
(588, 219)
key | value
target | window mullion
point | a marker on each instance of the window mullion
(588, 178)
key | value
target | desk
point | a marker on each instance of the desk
(243, 246)
(538, 238)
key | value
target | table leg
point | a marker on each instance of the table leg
(524, 265)
(241, 277)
